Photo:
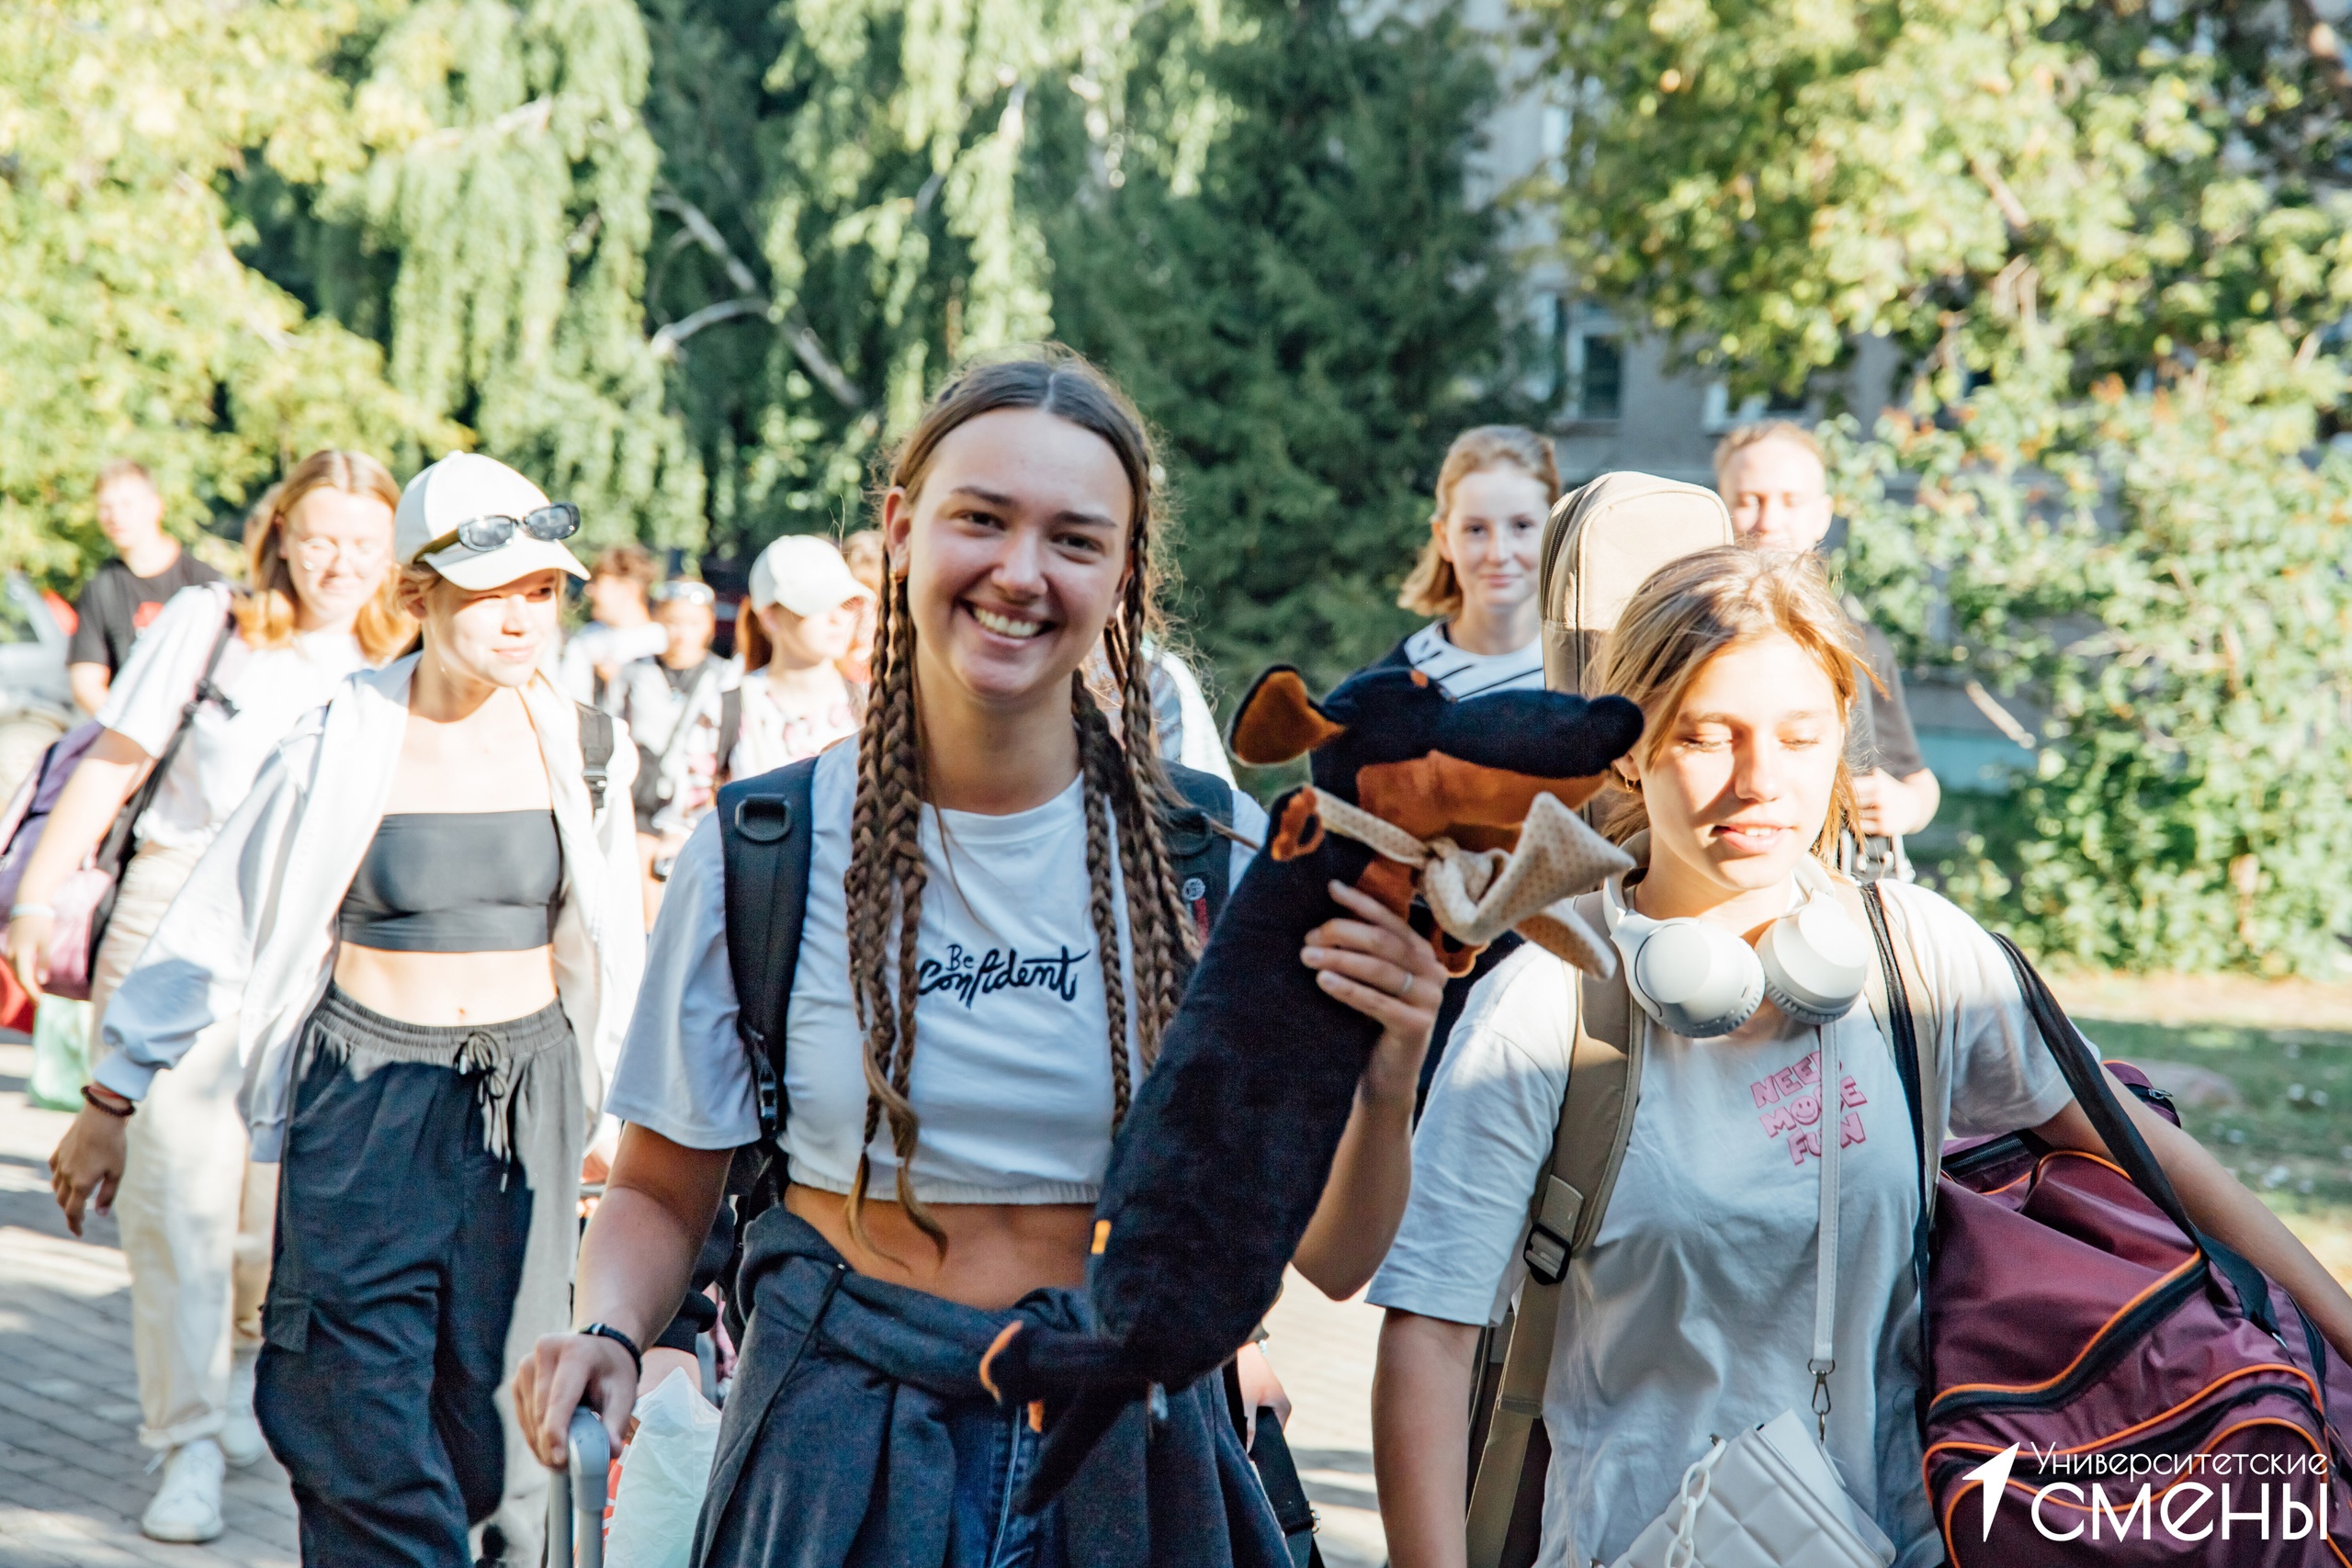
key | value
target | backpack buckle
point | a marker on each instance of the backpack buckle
(1546, 1255)
(1557, 1212)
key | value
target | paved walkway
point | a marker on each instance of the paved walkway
(73, 1477)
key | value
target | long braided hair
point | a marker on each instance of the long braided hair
(1124, 784)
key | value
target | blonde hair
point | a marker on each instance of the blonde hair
(1756, 434)
(1711, 603)
(1432, 589)
(886, 871)
(268, 613)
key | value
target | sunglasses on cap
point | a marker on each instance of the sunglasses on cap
(683, 591)
(559, 520)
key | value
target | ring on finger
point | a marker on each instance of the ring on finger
(1408, 987)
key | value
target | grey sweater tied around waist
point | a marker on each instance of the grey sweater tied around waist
(838, 1412)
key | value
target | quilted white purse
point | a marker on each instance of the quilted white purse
(1770, 1497)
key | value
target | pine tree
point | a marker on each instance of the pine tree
(1288, 278)
(129, 327)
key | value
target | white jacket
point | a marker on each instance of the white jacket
(253, 932)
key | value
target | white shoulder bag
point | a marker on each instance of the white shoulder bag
(1772, 1497)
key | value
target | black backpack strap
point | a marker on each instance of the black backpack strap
(595, 753)
(1198, 827)
(764, 839)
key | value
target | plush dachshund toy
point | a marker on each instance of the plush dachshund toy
(1224, 1155)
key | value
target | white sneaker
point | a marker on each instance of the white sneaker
(187, 1506)
(241, 1439)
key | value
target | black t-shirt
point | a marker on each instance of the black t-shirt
(1882, 735)
(116, 606)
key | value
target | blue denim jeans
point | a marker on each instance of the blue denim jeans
(994, 1449)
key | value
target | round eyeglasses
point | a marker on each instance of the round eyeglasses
(559, 520)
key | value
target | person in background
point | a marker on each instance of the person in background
(621, 627)
(681, 709)
(1187, 725)
(423, 927)
(124, 596)
(863, 552)
(805, 609)
(196, 1216)
(1774, 477)
(1477, 574)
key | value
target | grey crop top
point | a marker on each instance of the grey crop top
(456, 882)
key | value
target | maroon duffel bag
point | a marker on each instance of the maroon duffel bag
(2109, 1385)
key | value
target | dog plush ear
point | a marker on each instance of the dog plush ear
(1278, 721)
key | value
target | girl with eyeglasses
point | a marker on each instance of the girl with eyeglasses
(194, 1215)
(422, 933)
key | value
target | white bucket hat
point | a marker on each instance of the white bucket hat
(806, 575)
(468, 488)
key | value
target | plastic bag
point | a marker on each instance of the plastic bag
(663, 1475)
(61, 1054)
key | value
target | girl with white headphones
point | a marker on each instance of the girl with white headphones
(1692, 1310)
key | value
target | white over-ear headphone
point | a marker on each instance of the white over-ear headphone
(1699, 980)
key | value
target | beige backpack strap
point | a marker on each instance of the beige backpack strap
(1588, 1147)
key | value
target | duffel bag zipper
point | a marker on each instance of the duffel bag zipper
(2107, 1347)
(2189, 1437)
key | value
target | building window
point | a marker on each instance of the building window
(1597, 365)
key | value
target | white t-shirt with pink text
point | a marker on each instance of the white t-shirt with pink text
(1691, 1313)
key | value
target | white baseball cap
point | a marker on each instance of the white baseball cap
(806, 575)
(466, 487)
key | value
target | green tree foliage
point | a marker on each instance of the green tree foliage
(841, 219)
(2164, 575)
(494, 239)
(1306, 306)
(2112, 241)
(127, 326)
(2068, 186)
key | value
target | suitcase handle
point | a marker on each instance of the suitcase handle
(576, 1497)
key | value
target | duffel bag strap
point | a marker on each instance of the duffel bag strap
(2094, 1092)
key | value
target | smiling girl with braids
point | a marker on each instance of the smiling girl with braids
(959, 1052)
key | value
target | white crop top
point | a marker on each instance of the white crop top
(1012, 1075)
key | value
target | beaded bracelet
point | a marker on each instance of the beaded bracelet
(119, 1112)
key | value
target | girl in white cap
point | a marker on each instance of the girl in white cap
(805, 606)
(425, 922)
(993, 940)
(225, 675)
